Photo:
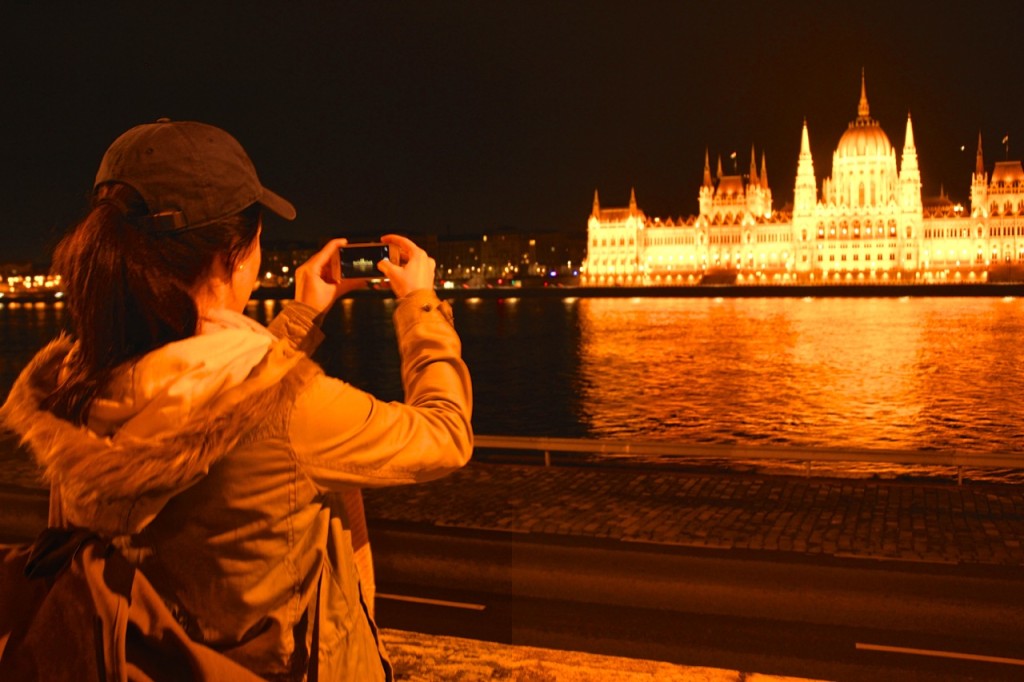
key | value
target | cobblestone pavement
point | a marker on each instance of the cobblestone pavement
(929, 521)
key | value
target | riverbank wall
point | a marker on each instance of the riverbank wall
(869, 290)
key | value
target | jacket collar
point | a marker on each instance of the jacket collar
(116, 483)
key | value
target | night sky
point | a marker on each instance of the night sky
(455, 118)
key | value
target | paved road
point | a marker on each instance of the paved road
(791, 616)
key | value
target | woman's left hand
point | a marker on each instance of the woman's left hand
(318, 281)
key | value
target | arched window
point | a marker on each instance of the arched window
(860, 195)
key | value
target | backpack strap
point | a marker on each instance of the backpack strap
(314, 648)
(54, 549)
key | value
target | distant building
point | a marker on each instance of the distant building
(458, 259)
(502, 257)
(279, 260)
(869, 223)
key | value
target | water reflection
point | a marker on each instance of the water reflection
(916, 374)
(524, 356)
(854, 376)
(24, 329)
(968, 367)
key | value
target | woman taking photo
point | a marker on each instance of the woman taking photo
(218, 458)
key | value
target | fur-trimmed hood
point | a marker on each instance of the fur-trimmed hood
(157, 428)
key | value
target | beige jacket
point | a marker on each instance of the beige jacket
(227, 466)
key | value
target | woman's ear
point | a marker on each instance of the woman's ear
(220, 270)
(212, 290)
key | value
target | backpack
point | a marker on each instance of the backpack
(73, 608)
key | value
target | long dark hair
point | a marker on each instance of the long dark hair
(129, 288)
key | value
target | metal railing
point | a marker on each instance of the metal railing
(805, 454)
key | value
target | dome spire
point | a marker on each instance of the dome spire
(753, 166)
(596, 211)
(707, 169)
(764, 170)
(863, 111)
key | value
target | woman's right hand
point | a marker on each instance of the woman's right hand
(414, 271)
(318, 282)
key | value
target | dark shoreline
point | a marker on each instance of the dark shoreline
(725, 291)
(696, 291)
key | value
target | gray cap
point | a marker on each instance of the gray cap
(190, 174)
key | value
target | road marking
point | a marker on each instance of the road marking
(432, 602)
(939, 654)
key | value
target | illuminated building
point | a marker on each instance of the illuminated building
(869, 224)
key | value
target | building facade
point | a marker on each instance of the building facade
(869, 223)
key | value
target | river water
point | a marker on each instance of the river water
(906, 373)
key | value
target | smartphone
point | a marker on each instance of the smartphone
(360, 260)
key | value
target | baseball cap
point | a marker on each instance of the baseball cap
(190, 174)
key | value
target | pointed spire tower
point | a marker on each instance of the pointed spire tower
(979, 185)
(764, 190)
(979, 163)
(596, 210)
(706, 195)
(805, 205)
(805, 193)
(759, 197)
(632, 201)
(910, 174)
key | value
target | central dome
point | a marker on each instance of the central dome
(864, 138)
